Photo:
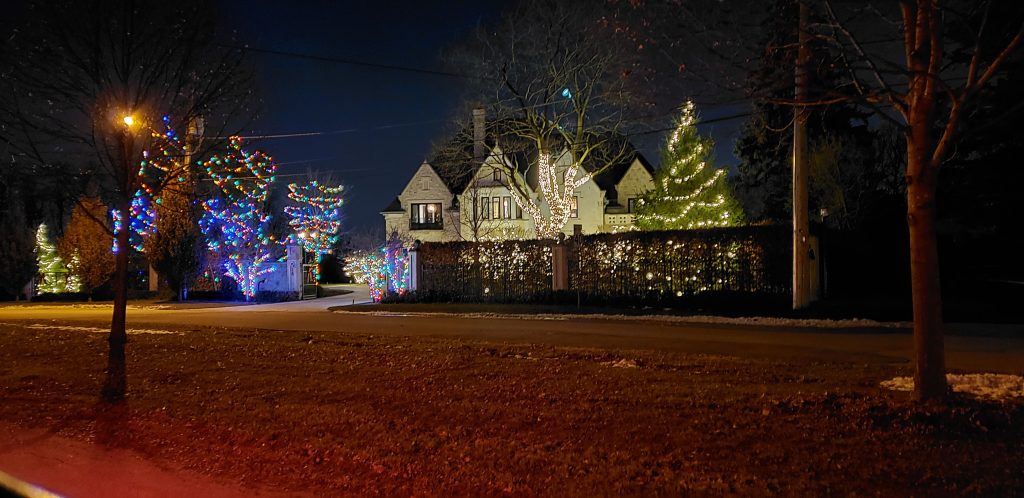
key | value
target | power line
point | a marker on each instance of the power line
(698, 123)
(329, 132)
(351, 62)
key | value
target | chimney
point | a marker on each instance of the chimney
(479, 134)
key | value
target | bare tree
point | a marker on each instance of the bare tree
(938, 58)
(557, 90)
(91, 80)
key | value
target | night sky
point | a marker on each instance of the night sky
(390, 117)
(371, 126)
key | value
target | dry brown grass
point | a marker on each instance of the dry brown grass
(358, 415)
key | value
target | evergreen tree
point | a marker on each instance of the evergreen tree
(54, 273)
(689, 192)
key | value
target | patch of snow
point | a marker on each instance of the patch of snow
(622, 363)
(98, 329)
(988, 385)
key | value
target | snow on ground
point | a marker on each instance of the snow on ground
(96, 329)
(623, 363)
(756, 320)
(988, 385)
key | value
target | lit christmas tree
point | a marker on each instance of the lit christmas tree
(689, 192)
(235, 225)
(51, 266)
(316, 219)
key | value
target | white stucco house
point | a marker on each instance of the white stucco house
(462, 193)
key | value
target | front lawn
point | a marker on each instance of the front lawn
(367, 414)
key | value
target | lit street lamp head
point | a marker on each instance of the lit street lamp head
(129, 120)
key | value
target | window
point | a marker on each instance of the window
(497, 175)
(574, 207)
(496, 207)
(426, 217)
(519, 212)
(485, 208)
(506, 207)
(630, 204)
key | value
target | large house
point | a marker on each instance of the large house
(463, 193)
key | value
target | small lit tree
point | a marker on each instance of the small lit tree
(51, 266)
(689, 192)
(236, 225)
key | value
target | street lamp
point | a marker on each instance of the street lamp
(129, 120)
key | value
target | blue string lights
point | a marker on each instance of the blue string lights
(235, 225)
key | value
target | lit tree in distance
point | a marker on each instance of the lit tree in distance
(235, 225)
(316, 218)
(51, 266)
(688, 191)
(384, 270)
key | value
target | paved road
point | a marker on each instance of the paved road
(864, 345)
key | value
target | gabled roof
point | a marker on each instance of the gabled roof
(394, 207)
(455, 165)
(611, 176)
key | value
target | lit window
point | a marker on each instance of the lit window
(497, 175)
(574, 207)
(425, 216)
(506, 207)
(496, 207)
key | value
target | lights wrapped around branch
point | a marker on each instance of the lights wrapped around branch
(235, 225)
(384, 270)
(316, 218)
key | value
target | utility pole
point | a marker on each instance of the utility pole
(801, 246)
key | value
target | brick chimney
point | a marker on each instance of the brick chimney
(479, 134)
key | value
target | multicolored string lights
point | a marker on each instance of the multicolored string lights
(316, 218)
(236, 226)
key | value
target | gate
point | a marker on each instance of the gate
(309, 271)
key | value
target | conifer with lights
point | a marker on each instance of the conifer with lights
(236, 225)
(689, 192)
(51, 266)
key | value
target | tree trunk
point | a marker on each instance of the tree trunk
(930, 367)
(116, 385)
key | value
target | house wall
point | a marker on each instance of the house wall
(424, 187)
(484, 185)
(462, 224)
(634, 183)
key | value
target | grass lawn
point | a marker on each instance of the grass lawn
(358, 415)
